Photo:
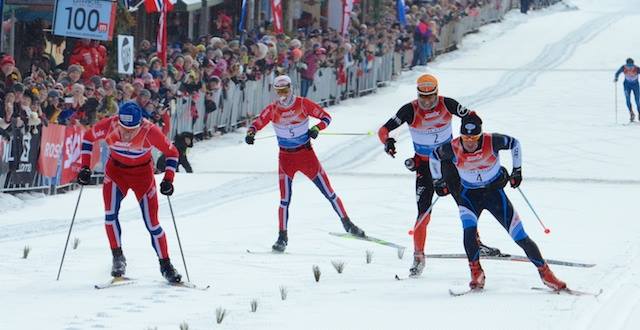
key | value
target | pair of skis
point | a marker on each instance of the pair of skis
(566, 291)
(501, 256)
(123, 281)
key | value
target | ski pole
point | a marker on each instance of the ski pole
(346, 133)
(615, 97)
(178, 236)
(411, 231)
(546, 230)
(73, 219)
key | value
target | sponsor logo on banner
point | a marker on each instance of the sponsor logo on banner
(125, 54)
(51, 149)
(23, 158)
(71, 162)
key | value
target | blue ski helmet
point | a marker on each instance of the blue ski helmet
(629, 61)
(130, 115)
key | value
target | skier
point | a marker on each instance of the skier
(631, 72)
(130, 166)
(290, 117)
(475, 155)
(429, 119)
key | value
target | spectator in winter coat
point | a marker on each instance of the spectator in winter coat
(421, 36)
(9, 74)
(87, 56)
(307, 74)
(182, 141)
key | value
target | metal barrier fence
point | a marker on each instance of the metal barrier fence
(237, 104)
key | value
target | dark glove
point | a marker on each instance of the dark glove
(166, 188)
(313, 132)
(250, 138)
(516, 177)
(440, 186)
(84, 176)
(390, 147)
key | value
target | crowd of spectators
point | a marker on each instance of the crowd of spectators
(39, 93)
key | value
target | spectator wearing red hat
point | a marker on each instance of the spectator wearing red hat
(8, 71)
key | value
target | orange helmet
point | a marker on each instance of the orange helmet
(427, 85)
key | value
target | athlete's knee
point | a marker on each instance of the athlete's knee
(468, 218)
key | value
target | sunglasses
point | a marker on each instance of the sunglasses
(423, 96)
(283, 91)
(470, 138)
(90, 89)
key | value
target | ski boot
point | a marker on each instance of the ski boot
(632, 117)
(168, 272)
(418, 264)
(477, 276)
(352, 229)
(487, 251)
(281, 243)
(549, 279)
(119, 266)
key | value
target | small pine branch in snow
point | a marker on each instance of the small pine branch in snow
(76, 242)
(338, 265)
(25, 251)
(184, 325)
(400, 253)
(316, 272)
(369, 256)
(283, 292)
(220, 314)
(254, 305)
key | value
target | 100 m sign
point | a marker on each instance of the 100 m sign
(90, 19)
(81, 20)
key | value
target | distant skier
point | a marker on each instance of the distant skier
(631, 72)
(482, 179)
(130, 139)
(429, 119)
(290, 117)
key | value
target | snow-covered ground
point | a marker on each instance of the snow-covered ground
(545, 78)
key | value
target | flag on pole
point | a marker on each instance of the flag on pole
(347, 6)
(402, 18)
(155, 6)
(276, 10)
(162, 7)
(243, 14)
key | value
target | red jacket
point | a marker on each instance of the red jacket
(89, 58)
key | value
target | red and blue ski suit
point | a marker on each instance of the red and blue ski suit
(291, 125)
(130, 166)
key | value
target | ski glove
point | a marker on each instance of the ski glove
(516, 177)
(166, 188)
(313, 132)
(84, 176)
(251, 137)
(390, 147)
(440, 186)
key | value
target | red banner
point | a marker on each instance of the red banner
(276, 9)
(71, 161)
(50, 149)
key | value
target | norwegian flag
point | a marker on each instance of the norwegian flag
(162, 7)
(276, 10)
(156, 6)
